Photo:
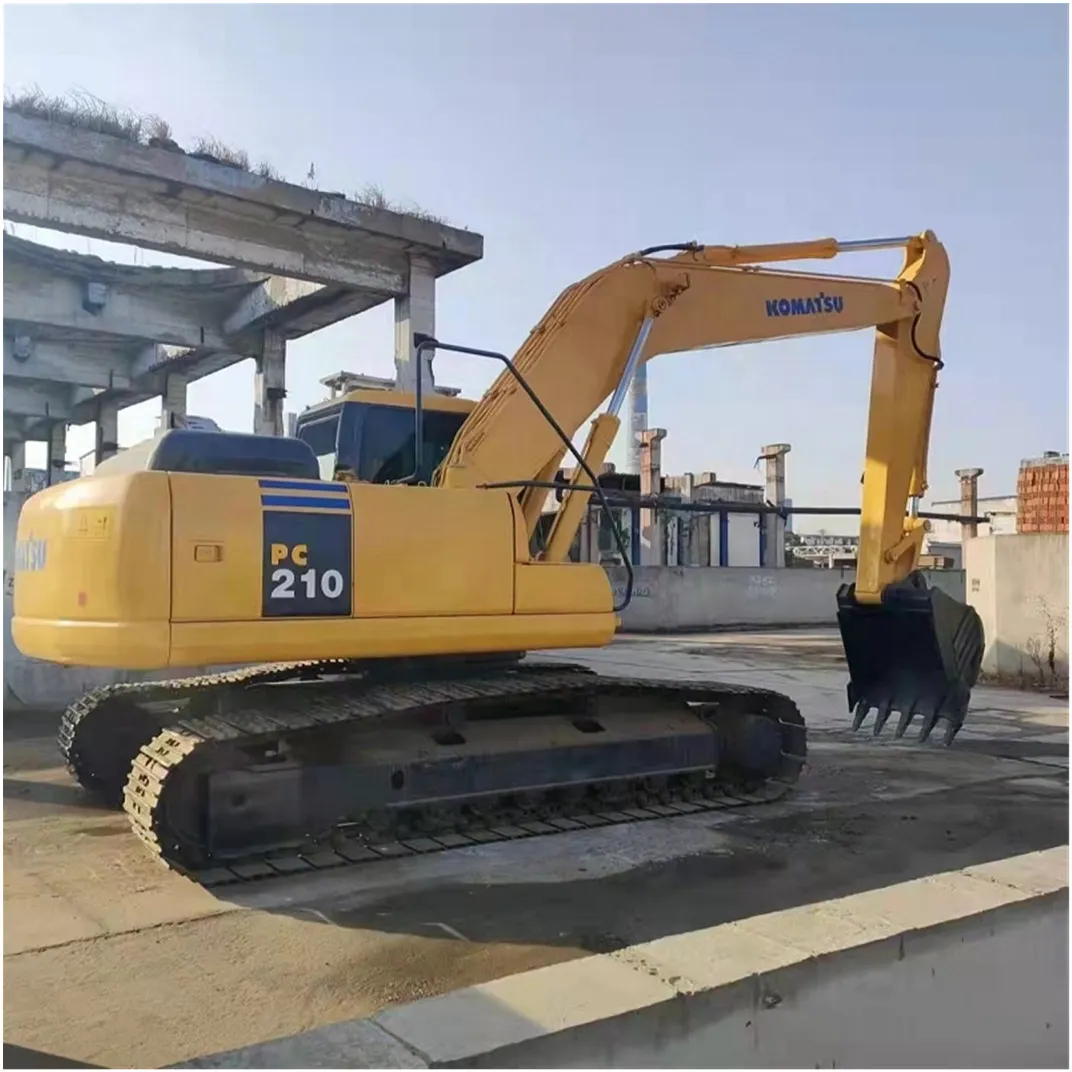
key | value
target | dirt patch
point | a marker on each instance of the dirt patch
(231, 981)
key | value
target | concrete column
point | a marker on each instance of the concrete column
(774, 457)
(56, 452)
(173, 401)
(651, 521)
(16, 451)
(636, 417)
(701, 540)
(107, 432)
(694, 544)
(415, 314)
(969, 501)
(269, 385)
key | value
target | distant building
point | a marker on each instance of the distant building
(823, 550)
(1042, 494)
(1000, 511)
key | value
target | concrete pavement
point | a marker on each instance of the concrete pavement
(109, 959)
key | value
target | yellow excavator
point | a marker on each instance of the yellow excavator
(378, 579)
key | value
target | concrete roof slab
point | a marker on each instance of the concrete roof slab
(88, 183)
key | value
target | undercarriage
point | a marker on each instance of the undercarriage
(285, 767)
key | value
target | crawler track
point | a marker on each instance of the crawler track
(182, 733)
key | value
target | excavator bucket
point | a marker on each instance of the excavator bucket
(916, 653)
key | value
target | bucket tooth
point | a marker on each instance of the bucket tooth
(861, 713)
(952, 728)
(882, 717)
(929, 722)
(918, 651)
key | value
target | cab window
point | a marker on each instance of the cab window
(388, 443)
(321, 435)
(376, 444)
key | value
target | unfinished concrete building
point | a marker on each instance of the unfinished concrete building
(83, 338)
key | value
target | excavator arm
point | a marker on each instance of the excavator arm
(908, 647)
(588, 345)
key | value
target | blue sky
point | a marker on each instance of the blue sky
(569, 136)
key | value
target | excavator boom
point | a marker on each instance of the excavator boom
(589, 342)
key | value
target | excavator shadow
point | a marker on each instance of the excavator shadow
(42, 792)
(600, 893)
(23, 1057)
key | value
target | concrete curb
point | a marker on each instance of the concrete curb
(966, 968)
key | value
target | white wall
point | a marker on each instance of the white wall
(1019, 586)
(988, 993)
(743, 538)
(666, 598)
(1000, 508)
(962, 969)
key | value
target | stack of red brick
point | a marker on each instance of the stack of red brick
(1042, 494)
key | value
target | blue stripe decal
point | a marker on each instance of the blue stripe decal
(303, 485)
(303, 500)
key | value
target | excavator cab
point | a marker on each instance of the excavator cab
(369, 435)
(916, 653)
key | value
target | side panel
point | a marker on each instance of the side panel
(92, 576)
(216, 548)
(247, 548)
(432, 552)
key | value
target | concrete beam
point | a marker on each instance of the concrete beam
(30, 358)
(150, 369)
(37, 296)
(296, 307)
(16, 430)
(263, 302)
(158, 357)
(87, 206)
(193, 364)
(53, 401)
(62, 177)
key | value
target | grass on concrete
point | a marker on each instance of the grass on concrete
(84, 111)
